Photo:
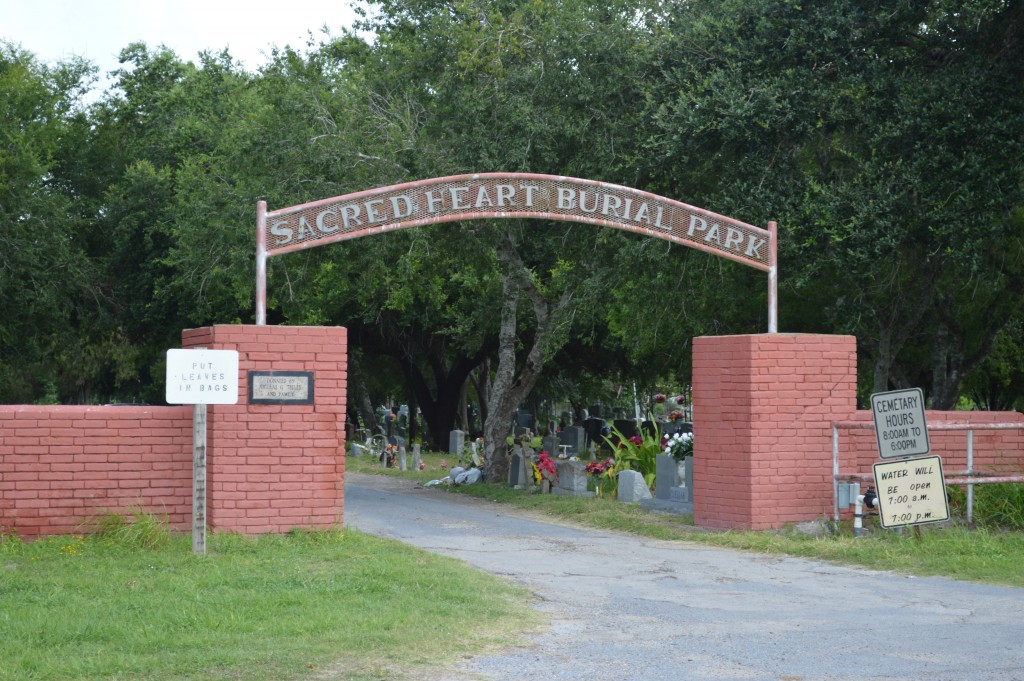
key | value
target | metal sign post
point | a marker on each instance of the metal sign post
(911, 491)
(201, 377)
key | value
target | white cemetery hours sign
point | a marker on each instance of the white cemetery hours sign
(202, 377)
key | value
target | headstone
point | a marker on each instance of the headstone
(575, 438)
(401, 458)
(416, 458)
(524, 419)
(684, 492)
(627, 427)
(572, 479)
(456, 441)
(592, 428)
(594, 411)
(355, 449)
(649, 429)
(550, 445)
(666, 476)
(632, 487)
(516, 470)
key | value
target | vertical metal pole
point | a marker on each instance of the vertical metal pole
(773, 278)
(199, 479)
(835, 471)
(261, 263)
(970, 470)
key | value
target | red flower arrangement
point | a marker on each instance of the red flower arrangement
(546, 467)
(659, 398)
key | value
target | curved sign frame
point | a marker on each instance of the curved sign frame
(489, 196)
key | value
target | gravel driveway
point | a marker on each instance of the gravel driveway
(625, 607)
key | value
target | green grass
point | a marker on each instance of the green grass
(274, 607)
(986, 554)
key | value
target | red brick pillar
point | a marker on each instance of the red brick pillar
(273, 467)
(763, 406)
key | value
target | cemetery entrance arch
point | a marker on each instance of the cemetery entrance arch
(491, 196)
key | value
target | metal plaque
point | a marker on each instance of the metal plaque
(280, 387)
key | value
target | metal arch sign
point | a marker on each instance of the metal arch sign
(503, 196)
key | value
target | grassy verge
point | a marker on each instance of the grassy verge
(984, 555)
(341, 605)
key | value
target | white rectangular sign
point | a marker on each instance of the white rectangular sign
(202, 377)
(911, 492)
(900, 428)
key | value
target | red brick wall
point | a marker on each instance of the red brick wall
(60, 466)
(1000, 451)
(763, 409)
(270, 467)
(764, 406)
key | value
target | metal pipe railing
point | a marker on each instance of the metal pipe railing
(968, 477)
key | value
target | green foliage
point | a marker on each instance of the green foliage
(858, 127)
(884, 137)
(997, 506)
(136, 530)
(638, 453)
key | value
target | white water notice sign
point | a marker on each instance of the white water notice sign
(899, 423)
(911, 492)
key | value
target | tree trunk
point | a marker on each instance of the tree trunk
(363, 404)
(510, 387)
(946, 361)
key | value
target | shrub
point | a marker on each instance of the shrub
(136, 530)
(998, 505)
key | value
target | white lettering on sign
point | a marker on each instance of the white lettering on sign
(513, 195)
(900, 427)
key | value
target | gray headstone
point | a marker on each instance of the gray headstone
(524, 418)
(416, 458)
(632, 487)
(666, 476)
(355, 450)
(515, 470)
(550, 445)
(575, 438)
(401, 458)
(572, 478)
(456, 441)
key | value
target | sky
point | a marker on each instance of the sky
(99, 29)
